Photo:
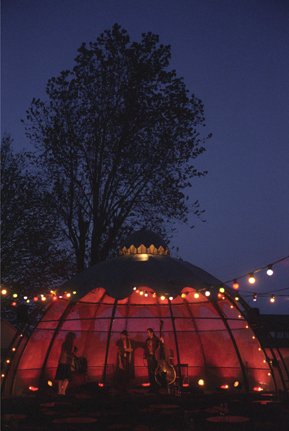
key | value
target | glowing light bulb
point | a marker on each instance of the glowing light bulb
(54, 298)
(146, 294)
(252, 278)
(272, 299)
(270, 270)
(74, 292)
(141, 292)
(235, 284)
(14, 304)
(171, 298)
(255, 297)
(3, 291)
(15, 295)
(134, 288)
(207, 293)
(13, 349)
(237, 298)
(196, 295)
(163, 297)
(201, 382)
(183, 295)
(222, 289)
(25, 297)
(68, 295)
(43, 298)
(35, 298)
(154, 295)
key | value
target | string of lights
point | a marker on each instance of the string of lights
(52, 295)
(251, 275)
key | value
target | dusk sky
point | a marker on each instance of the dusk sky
(234, 56)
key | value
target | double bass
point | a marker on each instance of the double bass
(165, 373)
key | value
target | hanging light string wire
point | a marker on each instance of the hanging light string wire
(272, 292)
(257, 270)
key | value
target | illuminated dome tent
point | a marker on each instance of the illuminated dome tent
(206, 329)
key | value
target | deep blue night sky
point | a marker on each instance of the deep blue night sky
(234, 55)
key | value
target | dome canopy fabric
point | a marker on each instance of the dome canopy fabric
(118, 276)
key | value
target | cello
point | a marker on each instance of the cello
(165, 373)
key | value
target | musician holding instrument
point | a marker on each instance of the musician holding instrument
(152, 343)
(159, 361)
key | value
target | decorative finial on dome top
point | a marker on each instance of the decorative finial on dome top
(144, 241)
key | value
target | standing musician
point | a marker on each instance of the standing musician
(125, 373)
(152, 343)
(63, 372)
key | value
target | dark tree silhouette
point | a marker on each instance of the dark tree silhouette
(116, 142)
(32, 259)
